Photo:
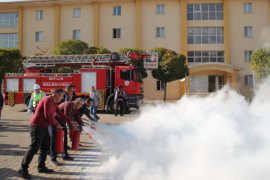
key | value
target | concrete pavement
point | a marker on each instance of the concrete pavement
(15, 138)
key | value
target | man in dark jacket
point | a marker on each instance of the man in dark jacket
(1, 103)
(85, 109)
(43, 117)
(69, 94)
(119, 100)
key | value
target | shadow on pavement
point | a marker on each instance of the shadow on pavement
(83, 165)
(14, 128)
(11, 150)
(11, 120)
(7, 173)
(83, 175)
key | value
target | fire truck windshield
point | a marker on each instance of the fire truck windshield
(131, 75)
(127, 75)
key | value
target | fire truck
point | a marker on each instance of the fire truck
(104, 71)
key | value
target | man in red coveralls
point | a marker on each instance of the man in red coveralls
(43, 117)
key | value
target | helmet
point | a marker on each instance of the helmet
(36, 86)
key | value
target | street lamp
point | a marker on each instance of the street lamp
(184, 80)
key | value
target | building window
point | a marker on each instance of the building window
(160, 9)
(116, 33)
(76, 12)
(249, 80)
(212, 35)
(248, 31)
(39, 15)
(206, 56)
(117, 10)
(76, 34)
(247, 7)
(205, 11)
(9, 40)
(160, 32)
(206, 84)
(248, 55)
(8, 20)
(39, 36)
(160, 86)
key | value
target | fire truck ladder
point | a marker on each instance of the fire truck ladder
(62, 60)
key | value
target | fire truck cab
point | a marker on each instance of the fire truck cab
(105, 72)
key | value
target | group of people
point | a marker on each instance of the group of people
(51, 113)
(61, 110)
(89, 108)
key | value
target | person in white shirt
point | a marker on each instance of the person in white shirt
(95, 96)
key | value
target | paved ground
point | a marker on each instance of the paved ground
(15, 138)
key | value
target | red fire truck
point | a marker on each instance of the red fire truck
(104, 71)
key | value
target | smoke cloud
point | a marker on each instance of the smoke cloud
(221, 136)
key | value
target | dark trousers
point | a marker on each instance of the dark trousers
(39, 140)
(65, 153)
(119, 103)
(52, 133)
(93, 111)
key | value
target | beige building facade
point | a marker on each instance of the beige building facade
(217, 36)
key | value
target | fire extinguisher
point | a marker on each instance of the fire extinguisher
(76, 140)
(71, 133)
(59, 145)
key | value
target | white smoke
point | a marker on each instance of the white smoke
(219, 137)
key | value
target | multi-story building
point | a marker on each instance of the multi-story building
(217, 36)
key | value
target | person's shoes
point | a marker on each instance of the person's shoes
(24, 174)
(55, 162)
(68, 147)
(45, 170)
(67, 158)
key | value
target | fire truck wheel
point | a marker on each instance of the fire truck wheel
(27, 100)
(111, 107)
(115, 56)
(125, 108)
(111, 110)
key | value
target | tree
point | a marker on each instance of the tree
(172, 66)
(10, 61)
(98, 50)
(72, 46)
(260, 63)
(137, 63)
